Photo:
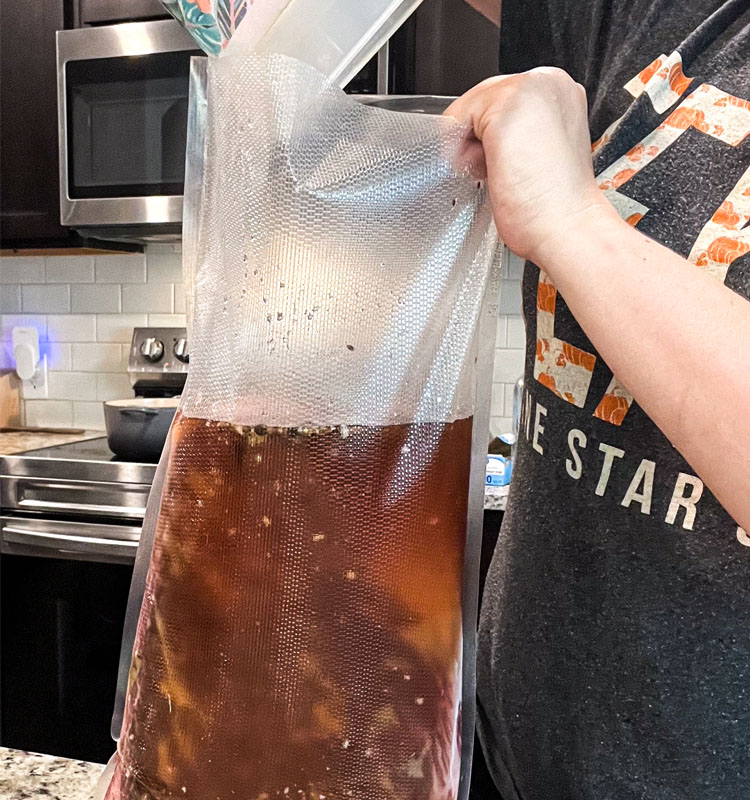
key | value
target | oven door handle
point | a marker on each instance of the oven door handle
(21, 541)
(40, 506)
(40, 495)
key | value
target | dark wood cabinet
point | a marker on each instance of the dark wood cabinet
(444, 48)
(29, 165)
(455, 48)
(29, 193)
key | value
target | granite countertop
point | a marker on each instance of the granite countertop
(27, 776)
(20, 441)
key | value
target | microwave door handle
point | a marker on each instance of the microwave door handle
(19, 541)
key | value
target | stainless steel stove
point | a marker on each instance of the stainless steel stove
(78, 501)
(158, 361)
(73, 501)
(70, 522)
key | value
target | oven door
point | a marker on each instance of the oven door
(50, 498)
(122, 93)
(63, 595)
(100, 543)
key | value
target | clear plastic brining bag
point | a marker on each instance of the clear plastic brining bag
(305, 627)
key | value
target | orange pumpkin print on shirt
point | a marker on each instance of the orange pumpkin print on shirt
(613, 409)
(678, 81)
(546, 297)
(726, 216)
(683, 118)
(726, 249)
(646, 74)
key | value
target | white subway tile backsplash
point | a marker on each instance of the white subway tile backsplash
(501, 333)
(500, 425)
(96, 357)
(10, 298)
(158, 248)
(164, 267)
(510, 298)
(79, 303)
(167, 320)
(71, 328)
(59, 356)
(498, 400)
(515, 266)
(69, 269)
(121, 269)
(21, 269)
(509, 395)
(153, 298)
(89, 416)
(113, 386)
(118, 327)
(49, 413)
(50, 298)
(72, 386)
(10, 321)
(95, 298)
(509, 366)
(516, 332)
(179, 298)
(504, 263)
(124, 357)
(6, 356)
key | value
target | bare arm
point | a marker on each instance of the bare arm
(677, 338)
(490, 9)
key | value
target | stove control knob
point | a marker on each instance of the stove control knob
(181, 351)
(152, 349)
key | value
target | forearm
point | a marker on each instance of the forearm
(675, 337)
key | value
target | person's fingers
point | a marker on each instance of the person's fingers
(457, 109)
(471, 157)
(465, 106)
(478, 105)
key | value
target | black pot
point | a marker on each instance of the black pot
(137, 428)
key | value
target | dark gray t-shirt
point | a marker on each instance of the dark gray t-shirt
(614, 658)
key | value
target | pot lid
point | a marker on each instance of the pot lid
(145, 402)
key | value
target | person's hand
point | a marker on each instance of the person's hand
(532, 140)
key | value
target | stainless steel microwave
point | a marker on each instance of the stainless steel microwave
(122, 95)
(122, 98)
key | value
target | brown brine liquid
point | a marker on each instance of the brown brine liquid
(300, 635)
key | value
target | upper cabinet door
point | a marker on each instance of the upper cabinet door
(29, 199)
(455, 47)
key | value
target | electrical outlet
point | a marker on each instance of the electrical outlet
(37, 388)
